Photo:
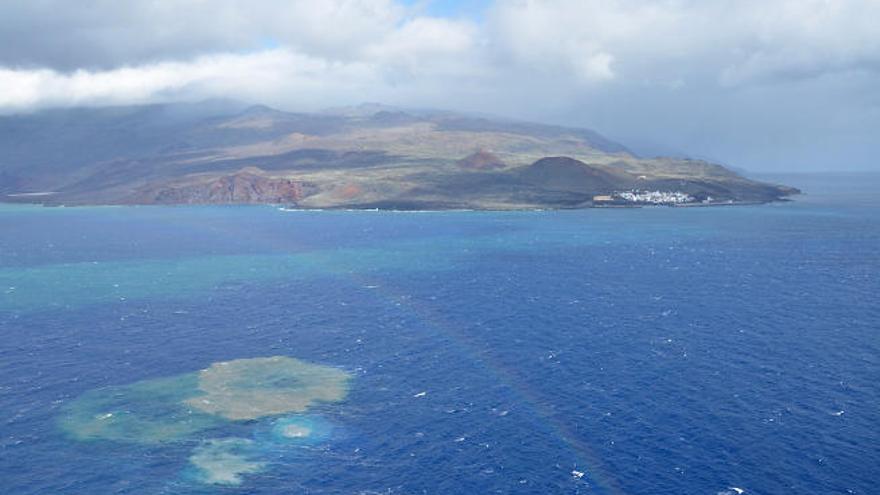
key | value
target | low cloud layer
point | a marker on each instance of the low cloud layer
(783, 85)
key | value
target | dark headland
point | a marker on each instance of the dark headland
(368, 156)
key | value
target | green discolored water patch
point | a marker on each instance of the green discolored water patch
(253, 388)
(73, 285)
(224, 461)
(174, 408)
(149, 411)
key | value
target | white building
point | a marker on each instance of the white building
(655, 197)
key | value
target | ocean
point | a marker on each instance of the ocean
(717, 350)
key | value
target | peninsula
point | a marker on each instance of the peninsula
(369, 156)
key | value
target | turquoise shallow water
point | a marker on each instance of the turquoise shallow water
(600, 351)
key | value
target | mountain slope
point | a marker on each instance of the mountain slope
(368, 156)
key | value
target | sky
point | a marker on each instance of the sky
(763, 85)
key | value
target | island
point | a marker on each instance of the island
(364, 157)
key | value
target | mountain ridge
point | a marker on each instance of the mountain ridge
(350, 157)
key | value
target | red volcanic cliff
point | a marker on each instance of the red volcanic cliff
(249, 185)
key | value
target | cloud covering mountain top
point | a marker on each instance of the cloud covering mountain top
(773, 85)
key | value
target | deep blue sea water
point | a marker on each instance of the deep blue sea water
(642, 351)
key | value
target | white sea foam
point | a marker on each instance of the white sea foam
(296, 431)
(299, 209)
(31, 194)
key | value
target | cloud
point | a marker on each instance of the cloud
(681, 72)
(730, 42)
(269, 73)
(288, 53)
(587, 42)
(101, 34)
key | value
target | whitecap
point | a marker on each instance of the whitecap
(296, 431)
(300, 430)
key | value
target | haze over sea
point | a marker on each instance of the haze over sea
(645, 351)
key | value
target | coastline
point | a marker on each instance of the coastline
(367, 208)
